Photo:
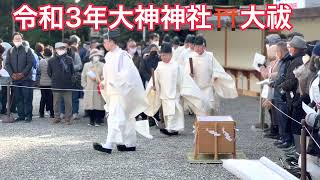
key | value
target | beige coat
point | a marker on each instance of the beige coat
(92, 99)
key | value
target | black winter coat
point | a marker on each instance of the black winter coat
(61, 76)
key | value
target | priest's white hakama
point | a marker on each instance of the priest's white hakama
(125, 98)
(172, 87)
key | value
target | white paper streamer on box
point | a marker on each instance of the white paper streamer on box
(214, 133)
(226, 135)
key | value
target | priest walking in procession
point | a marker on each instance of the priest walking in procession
(168, 88)
(209, 75)
(124, 95)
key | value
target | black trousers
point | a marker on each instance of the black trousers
(96, 116)
(46, 101)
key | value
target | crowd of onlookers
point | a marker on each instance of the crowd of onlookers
(66, 72)
(292, 68)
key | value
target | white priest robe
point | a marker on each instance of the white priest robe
(184, 56)
(210, 76)
(171, 83)
(176, 52)
(125, 97)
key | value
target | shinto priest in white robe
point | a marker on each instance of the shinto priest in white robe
(211, 78)
(125, 97)
(172, 86)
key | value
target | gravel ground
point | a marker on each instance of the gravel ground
(40, 150)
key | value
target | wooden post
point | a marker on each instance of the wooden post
(191, 66)
(303, 151)
(153, 80)
(216, 142)
(9, 118)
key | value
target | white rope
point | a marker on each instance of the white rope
(285, 114)
(54, 89)
(298, 123)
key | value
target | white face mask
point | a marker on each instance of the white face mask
(95, 58)
(61, 52)
(132, 51)
(17, 44)
(267, 46)
(156, 43)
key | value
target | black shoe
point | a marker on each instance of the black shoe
(124, 148)
(151, 122)
(41, 115)
(19, 119)
(98, 147)
(51, 116)
(166, 132)
(284, 145)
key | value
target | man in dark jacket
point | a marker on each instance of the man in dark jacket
(19, 64)
(279, 97)
(60, 70)
(290, 85)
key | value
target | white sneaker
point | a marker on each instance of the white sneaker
(61, 116)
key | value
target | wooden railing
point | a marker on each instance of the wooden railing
(236, 72)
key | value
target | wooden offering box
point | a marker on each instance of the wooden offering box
(214, 135)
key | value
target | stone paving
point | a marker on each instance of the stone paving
(40, 150)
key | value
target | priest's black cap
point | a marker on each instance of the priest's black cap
(166, 48)
(199, 40)
(112, 34)
(190, 38)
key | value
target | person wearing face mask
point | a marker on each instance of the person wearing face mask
(19, 63)
(90, 79)
(132, 50)
(154, 39)
(46, 100)
(208, 74)
(305, 76)
(61, 70)
(74, 42)
(149, 62)
(296, 48)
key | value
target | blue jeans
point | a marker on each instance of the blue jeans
(283, 122)
(24, 97)
(75, 103)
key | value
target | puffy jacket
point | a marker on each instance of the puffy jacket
(20, 60)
